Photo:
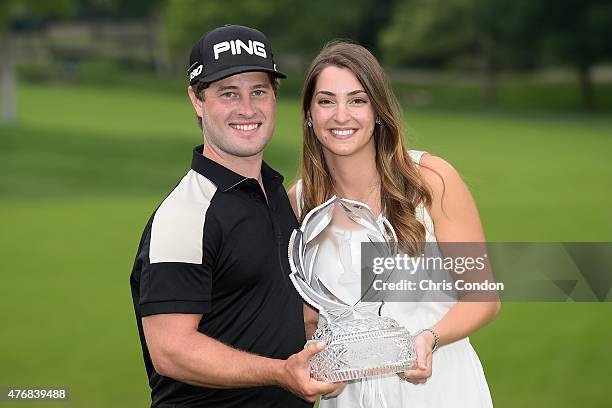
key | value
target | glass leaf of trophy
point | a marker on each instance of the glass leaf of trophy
(324, 255)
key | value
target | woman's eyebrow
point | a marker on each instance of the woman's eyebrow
(356, 91)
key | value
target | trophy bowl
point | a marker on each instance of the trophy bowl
(324, 255)
(361, 348)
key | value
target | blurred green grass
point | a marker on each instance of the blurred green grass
(514, 93)
(87, 165)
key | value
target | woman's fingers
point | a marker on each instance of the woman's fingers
(412, 380)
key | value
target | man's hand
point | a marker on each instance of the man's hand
(423, 344)
(296, 377)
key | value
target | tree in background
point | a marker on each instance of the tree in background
(427, 33)
(375, 16)
(186, 20)
(508, 36)
(315, 23)
(491, 34)
(15, 14)
(294, 27)
(116, 9)
(147, 11)
(578, 33)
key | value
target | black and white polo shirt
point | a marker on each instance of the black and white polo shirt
(216, 247)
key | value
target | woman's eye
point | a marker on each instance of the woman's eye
(324, 101)
(359, 101)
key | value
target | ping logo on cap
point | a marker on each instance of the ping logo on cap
(238, 46)
(196, 71)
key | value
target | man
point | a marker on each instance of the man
(220, 323)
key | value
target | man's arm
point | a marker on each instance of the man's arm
(179, 351)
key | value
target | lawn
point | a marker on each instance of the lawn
(86, 166)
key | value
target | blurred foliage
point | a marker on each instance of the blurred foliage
(292, 26)
(117, 9)
(18, 12)
(506, 31)
(429, 33)
(436, 33)
(578, 32)
(419, 32)
(186, 20)
(498, 34)
(484, 36)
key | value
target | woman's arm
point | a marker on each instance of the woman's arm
(455, 219)
(311, 320)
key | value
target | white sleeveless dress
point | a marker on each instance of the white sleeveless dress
(457, 377)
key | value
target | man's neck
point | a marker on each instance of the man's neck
(245, 166)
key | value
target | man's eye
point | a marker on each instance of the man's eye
(259, 92)
(228, 94)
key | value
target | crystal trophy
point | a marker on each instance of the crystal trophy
(324, 255)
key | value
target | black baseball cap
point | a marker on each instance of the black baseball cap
(230, 50)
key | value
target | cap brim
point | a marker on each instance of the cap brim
(224, 73)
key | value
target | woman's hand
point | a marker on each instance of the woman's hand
(423, 345)
(337, 392)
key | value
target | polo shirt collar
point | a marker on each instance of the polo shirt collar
(224, 178)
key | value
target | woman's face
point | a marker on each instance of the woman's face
(341, 112)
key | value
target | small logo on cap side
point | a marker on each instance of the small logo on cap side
(196, 71)
(238, 46)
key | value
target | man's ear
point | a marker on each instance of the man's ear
(195, 101)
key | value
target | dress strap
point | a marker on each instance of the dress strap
(416, 155)
(298, 197)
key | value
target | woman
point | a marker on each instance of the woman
(353, 147)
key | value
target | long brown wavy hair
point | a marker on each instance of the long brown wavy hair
(402, 187)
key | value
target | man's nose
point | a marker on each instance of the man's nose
(246, 107)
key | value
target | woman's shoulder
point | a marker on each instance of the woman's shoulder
(438, 174)
(453, 209)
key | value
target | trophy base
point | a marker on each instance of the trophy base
(362, 348)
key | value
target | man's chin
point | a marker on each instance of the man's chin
(239, 148)
(247, 152)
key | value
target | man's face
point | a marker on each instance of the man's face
(237, 113)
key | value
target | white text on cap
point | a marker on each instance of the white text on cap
(235, 46)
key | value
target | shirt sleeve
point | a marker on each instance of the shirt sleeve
(177, 251)
(175, 286)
